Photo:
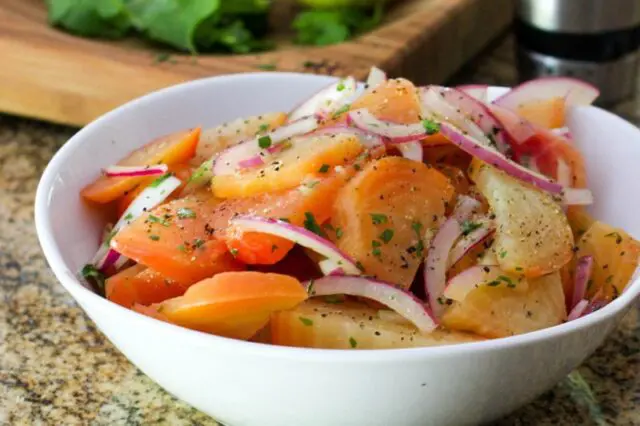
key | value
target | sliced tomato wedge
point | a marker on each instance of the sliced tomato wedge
(171, 149)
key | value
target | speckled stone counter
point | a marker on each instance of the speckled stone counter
(57, 369)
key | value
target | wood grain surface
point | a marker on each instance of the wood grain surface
(50, 75)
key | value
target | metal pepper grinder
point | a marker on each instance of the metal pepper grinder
(593, 40)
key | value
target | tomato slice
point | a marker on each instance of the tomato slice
(171, 149)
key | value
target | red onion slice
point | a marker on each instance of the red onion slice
(330, 267)
(470, 241)
(326, 101)
(584, 266)
(481, 115)
(494, 158)
(402, 302)
(375, 78)
(150, 197)
(468, 280)
(134, 171)
(435, 267)
(107, 261)
(299, 236)
(519, 129)
(465, 207)
(411, 150)
(578, 310)
(395, 133)
(250, 154)
(575, 92)
(434, 104)
(477, 91)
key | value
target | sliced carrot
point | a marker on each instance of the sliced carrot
(234, 304)
(175, 240)
(394, 100)
(309, 203)
(307, 156)
(139, 284)
(171, 149)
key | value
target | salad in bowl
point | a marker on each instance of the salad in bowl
(367, 217)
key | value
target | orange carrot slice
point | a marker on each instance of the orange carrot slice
(234, 304)
(170, 149)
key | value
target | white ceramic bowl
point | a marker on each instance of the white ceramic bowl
(246, 384)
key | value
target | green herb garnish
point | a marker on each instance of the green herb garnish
(233, 251)
(341, 110)
(378, 218)
(311, 224)
(156, 183)
(432, 127)
(264, 142)
(352, 342)
(156, 219)
(93, 276)
(186, 213)
(338, 233)
(468, 227)
(306, 321)
(154, 237)
(386, 235)
(197, 243)
(324, 168)
(340, 86)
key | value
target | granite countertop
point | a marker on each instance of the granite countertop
(57, 368)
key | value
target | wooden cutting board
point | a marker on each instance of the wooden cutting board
(50, 75)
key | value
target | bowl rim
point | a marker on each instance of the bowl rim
(69, 279)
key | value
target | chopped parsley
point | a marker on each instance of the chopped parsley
(417, 227)
(156, 219)
(419, 247)
(154, 237)
(156, 183)
(502, 254)
(324, 168)
(128, 216)
(182, 248)
(197, 243)
(338, 233)
(273, 248)
(264, 142)
(311, 224)
(263, 128)
(341, 110)
(360, 266)
(352, 342)
(493, 283)
(507, 280)
(386, 235)
(340, 86)
(92, 275)
(186, 213)
(432, 127)
(233, 251)
(310, 290)
(469, 226)
(306, 321)
(375, 245)
(378, 219)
